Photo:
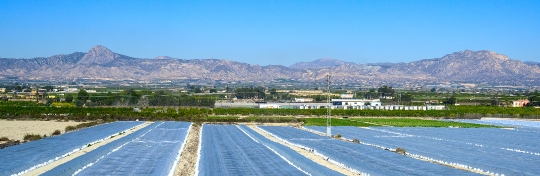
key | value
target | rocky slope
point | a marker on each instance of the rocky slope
(101, 63)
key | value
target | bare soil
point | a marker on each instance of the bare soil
(188, 158)
(15, 130)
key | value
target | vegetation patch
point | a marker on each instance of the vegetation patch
(408, 122)
(70, 128)
(335, 122)
(32, 137)
(56, 132)
(396, 122)
(4, 138)
(258, 119)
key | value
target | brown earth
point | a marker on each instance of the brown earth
(188, 158)
(15, 130)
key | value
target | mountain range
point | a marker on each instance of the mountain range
(100, 63)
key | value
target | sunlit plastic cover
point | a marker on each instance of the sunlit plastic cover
(20, 158)
(153, 150)
(362, 158)
(227, 150)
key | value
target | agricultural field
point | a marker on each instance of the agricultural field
(359, 146)
(395, 122)
(28, 156)
(361, 159)
(482, 150)
(238, 150)
(153, 150)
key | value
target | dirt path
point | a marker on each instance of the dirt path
(306, 153)
(61, 161)
(188, 158)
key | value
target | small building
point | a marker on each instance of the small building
(519, 103)
(303, 100)
(71, 90)
(2, 90)
(356, 102)
(269, 106)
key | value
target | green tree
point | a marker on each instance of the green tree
(198, 90)
(131, 96)
(534, 99)
(250, 93)
(48, 88)
(450, 101)
(69, 98)
(78, 103)
(386, 91)
(405, 98)
(273, 91)
(495, 102)
(82, 95)
(371, 94)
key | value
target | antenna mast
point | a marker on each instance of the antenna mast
(328, 116)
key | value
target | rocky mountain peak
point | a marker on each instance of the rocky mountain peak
(319, 63)
(163, 57)
(98, 55)
(482, 54)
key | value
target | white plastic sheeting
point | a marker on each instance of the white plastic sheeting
(483, 150)
(364, 159)
(20, 159)
(228, 150)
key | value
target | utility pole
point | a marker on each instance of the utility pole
(328, 116)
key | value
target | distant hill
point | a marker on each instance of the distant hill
(320, 63)
(469, 66)
(532, 63)
(102, 63)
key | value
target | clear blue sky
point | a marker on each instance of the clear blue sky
(272, 32)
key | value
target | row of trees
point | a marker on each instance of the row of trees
(131, 97)
(534, 99)
(250, 93)
(198, 114)
(160, 98)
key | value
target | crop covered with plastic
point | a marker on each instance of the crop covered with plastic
(23, 158)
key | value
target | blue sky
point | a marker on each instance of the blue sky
(272, 32)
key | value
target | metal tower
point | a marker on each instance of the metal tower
(328, 115)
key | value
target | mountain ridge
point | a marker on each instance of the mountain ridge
(101, 63)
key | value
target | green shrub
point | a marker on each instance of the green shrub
(70, 128)
(32, 137)
(56, 132)
(4, 139)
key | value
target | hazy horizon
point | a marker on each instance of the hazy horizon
(274, 32)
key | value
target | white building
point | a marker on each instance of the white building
(269, 106)
(519, 103)
(303, 100)
(71, 90)
(356, 102)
